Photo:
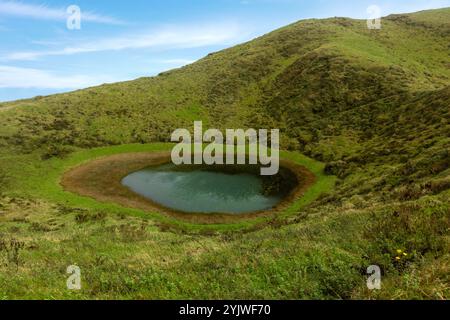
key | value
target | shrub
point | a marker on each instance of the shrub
(54, 150)
(85, 216)
(39, 227)
(11, 248)
(131, 233)
(336, 168)
(418, 229)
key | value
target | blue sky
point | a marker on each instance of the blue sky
(123, 40)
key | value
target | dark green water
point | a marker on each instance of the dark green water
(196, 189)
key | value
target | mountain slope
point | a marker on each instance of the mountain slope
(309, 66)
(335, 89)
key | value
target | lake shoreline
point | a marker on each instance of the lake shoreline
(100, 179)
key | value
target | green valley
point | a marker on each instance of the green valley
(367, 112)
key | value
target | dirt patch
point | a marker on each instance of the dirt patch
(101, 179)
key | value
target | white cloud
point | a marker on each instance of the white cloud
(42, 12)
(176, 61)
(165, 38)
(14, 77)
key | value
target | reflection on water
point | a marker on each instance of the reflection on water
(202, 191)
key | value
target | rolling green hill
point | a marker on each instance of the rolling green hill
(373, 105)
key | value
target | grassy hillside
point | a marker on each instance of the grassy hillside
(373, 105)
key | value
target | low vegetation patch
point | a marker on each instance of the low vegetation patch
(100, 190)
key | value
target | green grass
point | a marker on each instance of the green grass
(47, 176)
(367, 107)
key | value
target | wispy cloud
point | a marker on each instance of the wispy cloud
(14, 77)
(43, 12)
(176, 61)
(165, 38)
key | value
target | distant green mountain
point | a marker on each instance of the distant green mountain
(296, 77)
(374, 105)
